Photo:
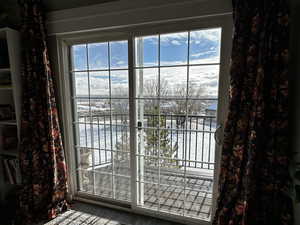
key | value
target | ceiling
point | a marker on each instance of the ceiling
(9, 12)
(68, 4)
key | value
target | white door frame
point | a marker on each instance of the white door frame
(63, 43)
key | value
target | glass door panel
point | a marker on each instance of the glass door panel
(101, 118)
(177, 79)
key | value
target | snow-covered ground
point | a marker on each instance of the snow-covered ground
(199, 146)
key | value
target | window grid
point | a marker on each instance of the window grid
(90, 123)
(143, 98)
(185, 130)
(146, 67)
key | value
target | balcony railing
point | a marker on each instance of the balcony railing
(189, 139)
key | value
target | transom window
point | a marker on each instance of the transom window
(144, 119)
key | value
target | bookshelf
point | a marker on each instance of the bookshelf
(10, 107)
(8, 123)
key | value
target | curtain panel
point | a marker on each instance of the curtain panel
(254, 176)
(42, 162)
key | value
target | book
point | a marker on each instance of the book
(5, 86)
(12, 174)
(5, 78)
(4, 59)
(8, 137)
(6, 112)
(9, 172)
(5, 177)
(15, 167)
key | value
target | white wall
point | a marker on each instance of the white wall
(131, 12)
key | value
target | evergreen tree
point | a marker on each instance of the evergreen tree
(161, 137)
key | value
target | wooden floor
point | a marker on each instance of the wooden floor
(189, 195)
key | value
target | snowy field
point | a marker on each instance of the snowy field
(199, 146)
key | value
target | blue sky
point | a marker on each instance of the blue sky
(204, 48)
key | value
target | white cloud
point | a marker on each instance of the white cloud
(175, 42)
(195, 36)
(202, 53)
(167, 63)
(153, 39)
(120, 62)
(210, 34)
(205, 77)
(175, 38)
(214, 59)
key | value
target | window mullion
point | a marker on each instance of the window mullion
(158, 102)
(140, 111)
(90, 120)
(186, 123)
(132, 122)
(111, 133)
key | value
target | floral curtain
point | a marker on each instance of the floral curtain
(42, 162)
(254, 177)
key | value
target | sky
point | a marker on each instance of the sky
(173, 50)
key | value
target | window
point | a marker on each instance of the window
(100, 76)
(145, 113)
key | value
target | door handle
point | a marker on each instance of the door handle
(217, 140)
(139, 124)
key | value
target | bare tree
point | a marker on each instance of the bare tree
(120, 107)
(153, 89)
(192, 106)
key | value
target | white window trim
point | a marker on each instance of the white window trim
(63, 43)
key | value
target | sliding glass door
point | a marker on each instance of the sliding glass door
(144, 120)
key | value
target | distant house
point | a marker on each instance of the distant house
(211, 110)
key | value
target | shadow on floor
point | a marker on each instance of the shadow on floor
(86, 214)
